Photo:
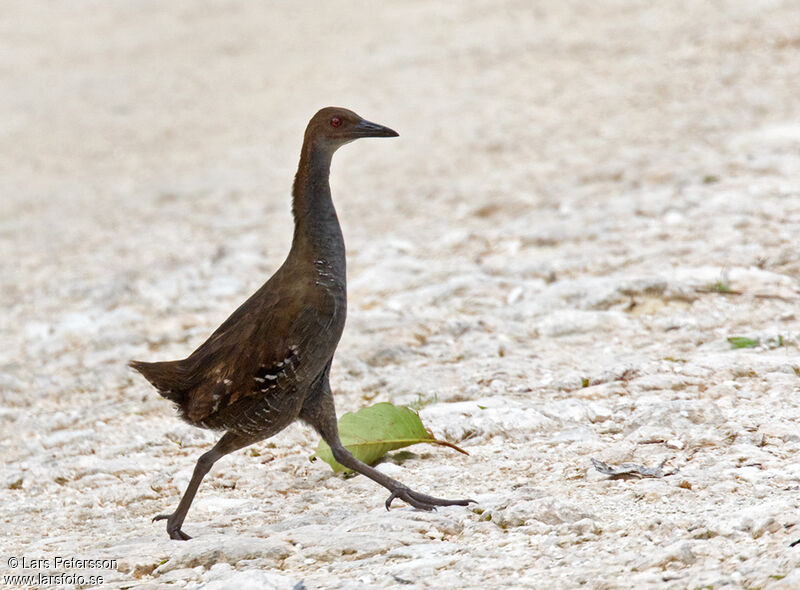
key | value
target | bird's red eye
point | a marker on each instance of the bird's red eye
(336, 122)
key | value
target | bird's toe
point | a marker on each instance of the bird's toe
(173, 528)
(422, 501)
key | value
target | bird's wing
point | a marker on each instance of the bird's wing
(266, 347)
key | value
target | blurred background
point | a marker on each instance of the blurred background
(577, 189)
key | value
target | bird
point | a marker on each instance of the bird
(269, 363)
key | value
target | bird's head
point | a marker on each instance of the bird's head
(332, 127)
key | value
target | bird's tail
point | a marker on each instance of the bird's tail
(167, 377)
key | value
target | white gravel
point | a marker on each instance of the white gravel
(538, 257)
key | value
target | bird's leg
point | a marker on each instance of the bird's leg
(318, 411)
(227, 444)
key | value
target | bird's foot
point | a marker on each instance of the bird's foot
(422, 501)
(173, 527)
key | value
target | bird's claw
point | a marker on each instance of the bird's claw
(173, 529)
(421, 501)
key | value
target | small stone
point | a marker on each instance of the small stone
(212, 549)
(679, 552)
(252, 580)
(767, 525)
(790, 582)
(584, 526)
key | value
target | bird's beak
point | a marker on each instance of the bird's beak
(368, 129)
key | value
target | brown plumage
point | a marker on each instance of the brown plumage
(268, 363)
(254, 355)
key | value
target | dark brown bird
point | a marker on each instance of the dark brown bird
(268, 363)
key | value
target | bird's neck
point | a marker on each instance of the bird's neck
(317, 233)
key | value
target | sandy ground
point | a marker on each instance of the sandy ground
(586, 201)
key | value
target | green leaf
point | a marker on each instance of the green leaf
(373, 431)
(742, 342)
(721, 287)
